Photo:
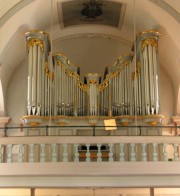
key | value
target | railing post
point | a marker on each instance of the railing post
(176, 155)
(76, 154)
(165, 152)
(99, 154)
(20, 157)
(53, 153)
(110, 153)
(121, 154)
(9, 155)
(133, 154)
(65, 154)
(154, 152)
(144, 153)
(42, 154)
(31, 153)
(88, 159)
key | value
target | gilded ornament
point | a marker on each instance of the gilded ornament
(33, 42)
(138, 69)
(105, 83)
(150, 41)
(93, 82)
(133, 75)
(149, 31)
(48, 72)
(80, 84)
(36, 31)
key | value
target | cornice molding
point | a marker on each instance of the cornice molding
(169, 9)
(14, 8)
(94, 35)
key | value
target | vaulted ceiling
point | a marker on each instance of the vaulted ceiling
(62, 19)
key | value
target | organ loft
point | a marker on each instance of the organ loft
(128, 93)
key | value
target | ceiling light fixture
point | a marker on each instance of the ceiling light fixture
(92, 9)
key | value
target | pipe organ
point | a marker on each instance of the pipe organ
(92, 81)
(69, 91)
(38, 90)
(146, 84)
(115, 90)
(129, 88)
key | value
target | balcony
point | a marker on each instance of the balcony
(46, 153)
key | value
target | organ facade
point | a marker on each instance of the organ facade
(128, 91)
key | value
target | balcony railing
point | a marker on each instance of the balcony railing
(91, 148)
(90, 151)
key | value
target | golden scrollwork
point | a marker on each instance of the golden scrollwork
(65, 58)
(105, 83)
(70, 73)
(48, 72)
(133, 75)
(37, 32)
(150, 41)
(138, 68)
(147, 32)
(137, 72)
(33, 42)
(80, 84)
(93, 82)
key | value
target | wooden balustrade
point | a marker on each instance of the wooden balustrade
(105, 149)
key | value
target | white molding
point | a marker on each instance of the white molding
(15, 8)
(90, 174)
(90, 139)
(90, 169)
(166, 7)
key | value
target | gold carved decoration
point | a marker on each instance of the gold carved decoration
(80, 84)
(133, 75)
(138, 68)
(137, 72)
(105, 83)
(33, 42)
(48, 72)
(93, 82)
(149, 41)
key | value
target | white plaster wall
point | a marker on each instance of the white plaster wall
(92, 54)
(167, 97)
(17, 93)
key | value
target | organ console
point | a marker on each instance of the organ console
(130, 87)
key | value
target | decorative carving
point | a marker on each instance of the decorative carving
(38, 42)
(80, 84)
(150, 41)
(138, 68)
(48, 72)
(105, 83)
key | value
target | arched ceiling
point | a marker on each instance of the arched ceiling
(59, 19)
